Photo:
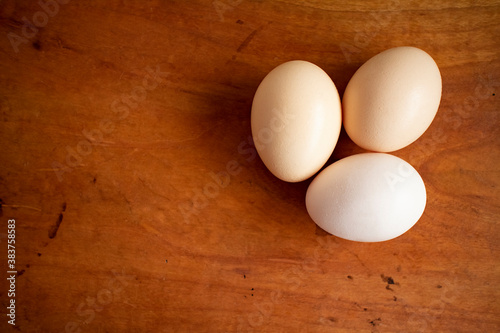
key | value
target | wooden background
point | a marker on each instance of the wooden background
(120, 121)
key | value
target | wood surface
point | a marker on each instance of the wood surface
(140, 203)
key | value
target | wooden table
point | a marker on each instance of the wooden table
(141, 206)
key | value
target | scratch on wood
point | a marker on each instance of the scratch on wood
(247, 40)
(53, 230)
(150, 229)
(22, 206)
(55, 227)
(357, 257)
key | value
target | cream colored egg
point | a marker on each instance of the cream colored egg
(392, 99)
(296, 120)
(368, 197)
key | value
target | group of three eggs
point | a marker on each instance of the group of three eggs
(389, 103)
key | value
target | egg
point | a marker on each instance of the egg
(369, 197)
(392, 99)
(296, 119)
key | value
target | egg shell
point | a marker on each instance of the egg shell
(370, 197)
(296, 119)
(392, 99)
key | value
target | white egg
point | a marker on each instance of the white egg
(392, 99)
(368, 197)
(296, 120)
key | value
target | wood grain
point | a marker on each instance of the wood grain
(140, 203)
